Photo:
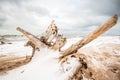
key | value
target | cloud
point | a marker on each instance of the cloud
(71, 16)
(105, 7)
(13, 1)
(2, 20)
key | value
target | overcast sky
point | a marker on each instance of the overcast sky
(73, 17)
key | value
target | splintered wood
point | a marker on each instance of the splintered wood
(50, 38)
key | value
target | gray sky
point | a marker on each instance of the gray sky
(73, 17)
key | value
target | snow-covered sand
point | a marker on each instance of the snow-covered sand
(15, 48)
(45, 66)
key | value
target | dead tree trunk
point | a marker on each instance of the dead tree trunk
(91, 36)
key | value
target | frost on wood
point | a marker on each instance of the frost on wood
(74, 63)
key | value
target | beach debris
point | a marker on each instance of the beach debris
(50, 38)
(90, 66)
(83, 70)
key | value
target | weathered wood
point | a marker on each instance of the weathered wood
(91, 36)
(59, 43)
(46, 37)
(29, 43)
(34, 42)
(32, 38)
(50, 33)
(11, 62)
(91, 65)
(94, 65)
(50, 37)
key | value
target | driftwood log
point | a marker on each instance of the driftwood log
(91, 66)
(11, 62)
(91, 36)
(45, 40)
(109, 68)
